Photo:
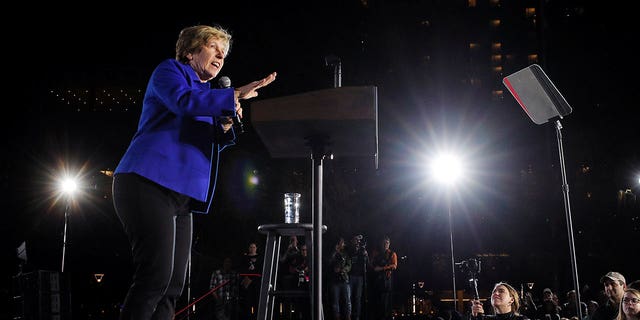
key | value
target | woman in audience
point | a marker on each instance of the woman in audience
(630, 305)
(505, 302)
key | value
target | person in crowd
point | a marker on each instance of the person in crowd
(170, 165)
(634, 285)
(592, 305)
(630, 306)
(505, 302)
(296, 270)
(340, 266)
(225, 296)
(528, 306)
(384, 262)
(569, 308)
(359, 256)
(289, 280)
(299, 265)
(549, 308)
(250, 282)
(614, 285)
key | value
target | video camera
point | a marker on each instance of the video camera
(470, 266)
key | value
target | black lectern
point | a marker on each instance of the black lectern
(337, 122)
(542, 101)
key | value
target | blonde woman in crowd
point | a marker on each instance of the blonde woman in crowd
(630, 305)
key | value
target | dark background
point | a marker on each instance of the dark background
(508, 211)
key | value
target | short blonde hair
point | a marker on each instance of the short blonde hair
(191, 39)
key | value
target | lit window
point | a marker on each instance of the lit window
(494, 23)
(496, 46)
(473, 45)
(532, 58)
(530, 12)
(472, 3)
(496, 58)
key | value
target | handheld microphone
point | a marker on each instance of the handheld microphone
(223, 83)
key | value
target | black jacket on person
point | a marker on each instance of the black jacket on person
(607, 311)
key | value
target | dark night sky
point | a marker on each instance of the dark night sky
(587, 57)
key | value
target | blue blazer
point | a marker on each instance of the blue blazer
(178, 139)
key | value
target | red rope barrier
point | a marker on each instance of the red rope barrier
(214, 289)
(202, 297)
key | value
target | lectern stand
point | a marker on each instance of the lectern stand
(337, 122)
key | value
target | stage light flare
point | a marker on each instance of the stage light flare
(68, 186)
(253, 178)
(447, 168)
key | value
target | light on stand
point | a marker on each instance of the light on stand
(447, 169)
(68, 187)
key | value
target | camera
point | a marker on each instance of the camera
(361, 241)
(470, 266)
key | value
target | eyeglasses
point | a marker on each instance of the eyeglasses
(631, 300)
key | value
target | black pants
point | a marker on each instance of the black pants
(383, 288)
(158, 223)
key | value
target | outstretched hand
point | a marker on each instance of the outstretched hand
(249, 91)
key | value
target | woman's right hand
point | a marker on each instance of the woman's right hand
(249, 91)
(476, 308)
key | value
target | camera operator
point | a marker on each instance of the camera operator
(357, 252)
(340, 290)
(505, 302)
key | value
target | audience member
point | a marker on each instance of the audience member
(298, 265)
(384, 262)
(359, 261)
(528, 307)
(614, 285)
(569, 308)
(250, 283)
(225, 298)
(630, 307)
(505, 302)
(549, 308)
(592, 305)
